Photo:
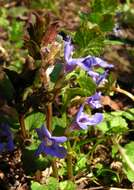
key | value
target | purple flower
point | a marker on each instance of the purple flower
(98, 78)
(87, 63)
(102, 77)
(84, 120)
(71, 63)
(6, 140)
(50, 144)
(94, 101)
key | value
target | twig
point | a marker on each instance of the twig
(9, 5)
(22, 126)
(116, 188)
(70, 167)
(120, 90)
(49, 116)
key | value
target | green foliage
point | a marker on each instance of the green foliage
(52, 184)
(51, 5)
(86, 83)
(129, 152)
(115, 122)
(90, 36)
(16, 33)
(104, 6)
(112, 176)
(37, 186)
(85, 87)
(81, 163)
(34, 120)
(105, 21)
(59, 121)
(3, 19)
(18, 11)
(56, 72)
(90, 39)
(67, 185)
(127, 14)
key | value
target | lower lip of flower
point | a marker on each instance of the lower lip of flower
(48, 142)
(83, 120)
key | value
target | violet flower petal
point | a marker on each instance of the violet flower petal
(55, 150)
(102, 77)
(94, 101)
(43, 132)
(5, 132)
(61, 139)
(94, 75)
(102, 63)
(68, 48)
(10, 145)
(84, 120)
(39, 150)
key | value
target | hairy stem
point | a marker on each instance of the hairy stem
(69, 162)
(49, 127)
(118, 89)
(49, 116)
(22, 126)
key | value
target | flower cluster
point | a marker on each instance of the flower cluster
(88, 63)
(51, 144)
(6, 140)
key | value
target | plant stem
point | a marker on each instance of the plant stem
(69, 162)
(49, 127)
(118, 89)
(22, 126)
(55, 169)
(49, 116)
(69, 155)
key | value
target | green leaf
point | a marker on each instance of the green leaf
(111, 175)
(53, 184)
(34, 120)
(104, 6)
(71, 93)
(114, 150)
(129, 114)
(56, 121)
(81, 163)
(3, 19)
(67, 185)
(113, 124)
(129, 152)
(37, 186)
(105, 21)
(16, 33)
(17, 11)
(90, 40)
(56, 72)
(87, 84)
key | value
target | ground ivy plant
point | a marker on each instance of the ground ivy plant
(55, 100)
